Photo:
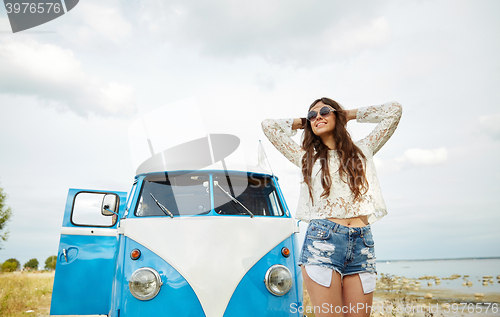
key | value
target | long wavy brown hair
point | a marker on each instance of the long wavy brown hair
(351, 158)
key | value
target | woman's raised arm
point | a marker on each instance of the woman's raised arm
(387, 116)
(279, 133)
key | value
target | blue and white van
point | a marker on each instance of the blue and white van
(205, 242)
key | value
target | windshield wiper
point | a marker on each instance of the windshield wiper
(163, 208)
(233, 199)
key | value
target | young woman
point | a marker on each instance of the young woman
(340, 197)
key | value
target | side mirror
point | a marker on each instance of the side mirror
(109, 205)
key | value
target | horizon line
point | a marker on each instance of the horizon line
(443, 259)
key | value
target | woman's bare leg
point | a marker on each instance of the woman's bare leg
(353, 296)
(325, 299)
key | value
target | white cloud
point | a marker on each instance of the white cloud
(115, 95)
(491, 125)
(412, 157)
(282, 31)
(56, 77)
(424, 156)
(350, 36)
(105, 21)
(386, 167)
(423, 63)
(5, 24)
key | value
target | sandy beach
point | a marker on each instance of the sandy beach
(425, 296)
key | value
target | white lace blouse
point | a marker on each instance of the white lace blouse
(339, 204)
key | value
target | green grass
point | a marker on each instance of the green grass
(23, 292)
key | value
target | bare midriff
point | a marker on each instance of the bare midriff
(360, 221)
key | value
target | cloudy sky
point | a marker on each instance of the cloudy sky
(70, 90)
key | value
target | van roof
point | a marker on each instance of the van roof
(231, 167)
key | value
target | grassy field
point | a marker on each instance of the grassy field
(25, 294)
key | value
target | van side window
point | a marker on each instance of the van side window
(87, 210)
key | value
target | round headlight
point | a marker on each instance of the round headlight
(278, 280)
(145, 283)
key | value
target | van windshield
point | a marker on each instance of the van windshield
(179, 194)
(189, 194)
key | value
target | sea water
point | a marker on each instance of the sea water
(475, 268)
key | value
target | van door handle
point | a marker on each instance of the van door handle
(65, 255)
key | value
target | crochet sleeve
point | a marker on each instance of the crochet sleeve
(387, 116)
(279, 133)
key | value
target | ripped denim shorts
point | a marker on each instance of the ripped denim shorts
(347, 250)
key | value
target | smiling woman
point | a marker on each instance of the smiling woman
(340, 197)
(324, 134)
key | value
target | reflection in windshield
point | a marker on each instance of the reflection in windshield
(255, 193)
(163, 208)
(180, 194)
(216, 183)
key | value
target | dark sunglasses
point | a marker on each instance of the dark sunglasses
(323, 112)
